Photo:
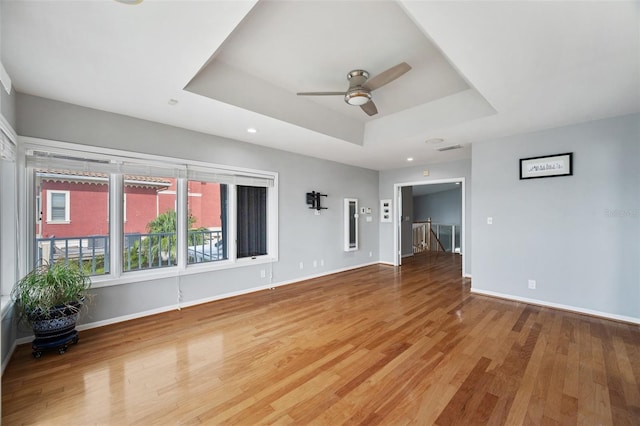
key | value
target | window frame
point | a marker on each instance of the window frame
(224, 235)
(67, 205)
(117, 276)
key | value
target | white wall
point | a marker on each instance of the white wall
(437, 171)
(577, 236)
(303, 236)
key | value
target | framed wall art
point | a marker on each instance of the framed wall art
(385, 211)
(546, 166)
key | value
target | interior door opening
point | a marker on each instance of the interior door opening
(429, 215)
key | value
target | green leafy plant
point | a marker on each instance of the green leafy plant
(160, 248)
(165, 224)
(47, 287)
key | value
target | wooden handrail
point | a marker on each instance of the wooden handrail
(437, 240)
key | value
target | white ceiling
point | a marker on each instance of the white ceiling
(527, 65)
(282, 48)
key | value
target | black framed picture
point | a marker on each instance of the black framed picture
(546, 166)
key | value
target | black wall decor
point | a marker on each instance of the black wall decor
(313, 200)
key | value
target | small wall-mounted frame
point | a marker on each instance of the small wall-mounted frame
(385, 211)
(546, 166)
(313, 200)
(350, 224)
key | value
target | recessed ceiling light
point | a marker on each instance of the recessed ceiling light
(252, 130)
(434, 141)
(410, 159)
(131, 2)
(173, 101)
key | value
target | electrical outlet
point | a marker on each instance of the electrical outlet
(315, 263)
(263, 273)
(370, 254)
(532, 284)
(321, 262)
(301, 265)
(489, 221)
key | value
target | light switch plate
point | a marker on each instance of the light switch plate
(489, 221)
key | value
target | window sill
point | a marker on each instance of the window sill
(172, 272)
(58, 222)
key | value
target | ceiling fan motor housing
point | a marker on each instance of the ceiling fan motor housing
(357, 94)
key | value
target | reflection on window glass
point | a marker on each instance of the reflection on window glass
(150, 229)
(207, 203)
(76, 227)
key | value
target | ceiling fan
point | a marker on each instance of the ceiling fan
(360, 87)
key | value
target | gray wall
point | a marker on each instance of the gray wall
(437, 171)
(577, 236)
(444, 207)
(303, 236)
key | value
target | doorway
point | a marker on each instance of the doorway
(403, 219)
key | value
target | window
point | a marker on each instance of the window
(162, 215)
(207, 206)
(72, 193)
(252, 221)
(57, 206)
(150, 232)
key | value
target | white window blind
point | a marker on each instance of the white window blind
(48, 160)
(232, 177)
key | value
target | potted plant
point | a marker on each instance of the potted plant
(49, 299)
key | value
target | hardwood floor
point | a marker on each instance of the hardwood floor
(376, 345)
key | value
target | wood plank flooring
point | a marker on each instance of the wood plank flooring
(376, 345)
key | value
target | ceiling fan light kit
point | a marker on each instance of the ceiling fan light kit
(359, 92)
(357, 96)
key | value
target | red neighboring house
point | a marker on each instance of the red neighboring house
(75, 204)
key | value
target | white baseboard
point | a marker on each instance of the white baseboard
(386, 263)
(560, 306)
(115, 320)
(173, 307)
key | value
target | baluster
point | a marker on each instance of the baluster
(51, 250)
(93, 254)
(80, 265)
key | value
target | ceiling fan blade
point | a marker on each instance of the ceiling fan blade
(387, 76)
(369, 108)
(320, 93)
